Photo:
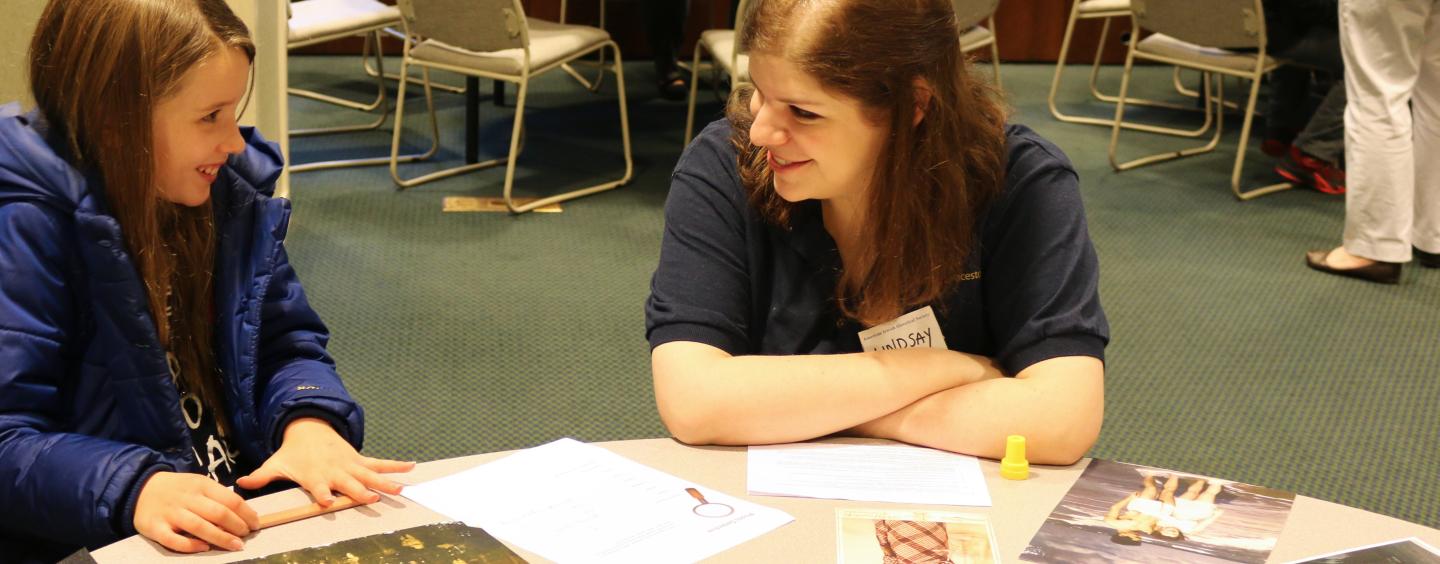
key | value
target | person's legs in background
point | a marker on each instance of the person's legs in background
(1426, 105)
(1285, 114)
(1315, 157)
(1381, 41)
(665, 25)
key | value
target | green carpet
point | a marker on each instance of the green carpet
(466, 333)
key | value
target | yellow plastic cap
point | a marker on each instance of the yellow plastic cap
(1014, 466)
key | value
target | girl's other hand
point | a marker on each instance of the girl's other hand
(317, 458)
(173, 504)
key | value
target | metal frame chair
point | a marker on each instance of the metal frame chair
(1197, 36)
(969, 14)
(721, 45)
(493, 39)
(320, 21)
(1107, 10)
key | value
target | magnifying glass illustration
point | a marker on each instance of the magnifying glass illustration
(708, 508)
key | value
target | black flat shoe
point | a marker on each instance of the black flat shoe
(674, 86)
(1381, 272)
(1427, 260)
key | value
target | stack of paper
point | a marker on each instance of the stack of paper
(572, 502)
(885, 472)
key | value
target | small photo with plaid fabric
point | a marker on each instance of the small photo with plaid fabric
(874, 536)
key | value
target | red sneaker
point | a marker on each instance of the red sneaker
(1329, 179)
(1296, 168)
(1306, 171)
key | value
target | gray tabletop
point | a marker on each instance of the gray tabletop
(1314, 526)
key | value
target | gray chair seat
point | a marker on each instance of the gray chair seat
(550, 43)
(313, 20)
(1161, 45)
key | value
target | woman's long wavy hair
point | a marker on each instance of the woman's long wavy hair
(932, 180)
(98, 68)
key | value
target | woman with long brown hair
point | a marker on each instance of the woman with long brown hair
(156, 347)
(864, 246)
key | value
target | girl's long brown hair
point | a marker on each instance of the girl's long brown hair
(932, 180)
(98, 68)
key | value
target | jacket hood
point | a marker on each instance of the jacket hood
(31, 169)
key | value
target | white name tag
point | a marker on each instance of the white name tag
(917, 329)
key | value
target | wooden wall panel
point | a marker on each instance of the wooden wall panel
(1028, 30)
(1031, 31)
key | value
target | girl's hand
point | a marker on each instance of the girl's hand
(317, 458)
(172, 503)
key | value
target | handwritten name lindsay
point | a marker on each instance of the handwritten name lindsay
(907, 341)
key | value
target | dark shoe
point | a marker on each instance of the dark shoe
(1427, 260)
(674, 86)
(1381, 272)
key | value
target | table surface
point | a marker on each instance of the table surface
(1020, 507)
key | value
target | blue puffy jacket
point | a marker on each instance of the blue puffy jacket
(87, 406)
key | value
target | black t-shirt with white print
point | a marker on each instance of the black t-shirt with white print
(211, 449)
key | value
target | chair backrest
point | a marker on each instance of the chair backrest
(477, 25)
(1228, 24)
(970, 13)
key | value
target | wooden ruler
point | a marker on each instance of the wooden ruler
(306, 511)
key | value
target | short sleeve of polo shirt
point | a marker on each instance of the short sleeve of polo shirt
(700, 291)
(1041, 274)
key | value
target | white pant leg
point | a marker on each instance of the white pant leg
(1426, 235)
(1381, 42)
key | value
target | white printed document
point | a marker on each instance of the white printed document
(572, 502)
(891, 472)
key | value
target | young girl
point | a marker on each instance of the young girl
(155, 344)
(864, 177)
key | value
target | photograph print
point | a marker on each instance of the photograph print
(1118, 512)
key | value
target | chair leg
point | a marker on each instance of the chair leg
(694, 91)
(1180, 88)
(619, 70)
(1120, 106)
(1095, 92)
(1060, 67)
(1217, 117)
(370, 38)
(1095, 66)
(995, 54)
(591, 85)
(376, 161)
(1240, 152)
(403, 183)
(364, 107)
(368, 161)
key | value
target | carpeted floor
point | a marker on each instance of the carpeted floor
(465, 333)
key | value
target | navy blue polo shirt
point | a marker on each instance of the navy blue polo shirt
(730, 279)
